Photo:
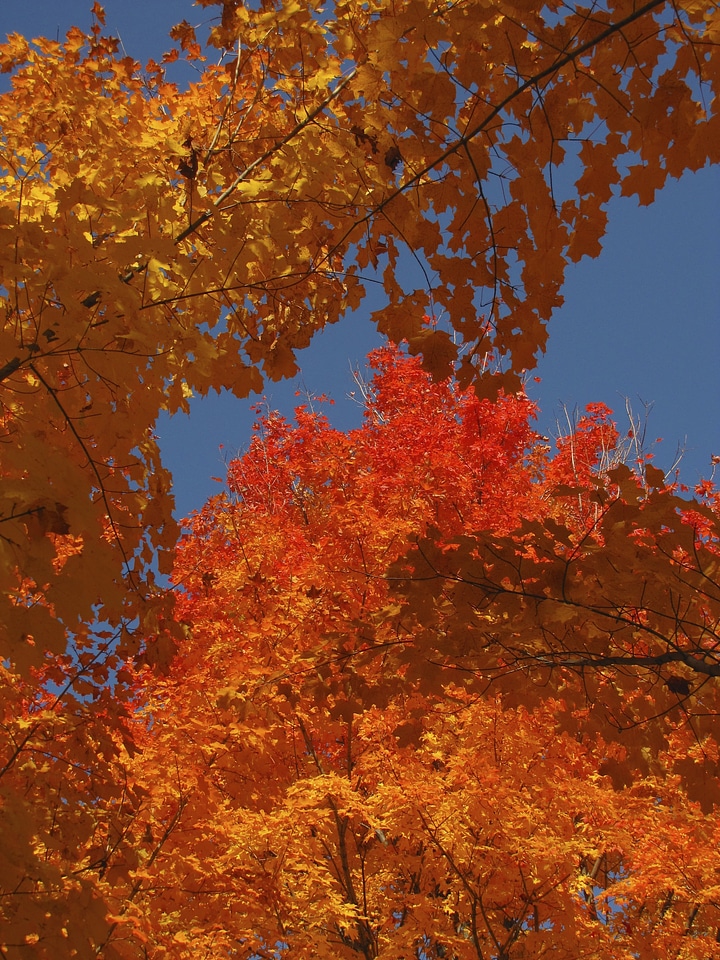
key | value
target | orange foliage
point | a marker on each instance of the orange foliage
(349, 757)
(288, 777)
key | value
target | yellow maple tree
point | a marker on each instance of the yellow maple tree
(161, 241)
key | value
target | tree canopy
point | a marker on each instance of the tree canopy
(365, 746)
(424, 689)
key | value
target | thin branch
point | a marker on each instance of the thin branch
(250, 169)
(93, 466)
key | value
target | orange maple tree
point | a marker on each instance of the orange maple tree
(346, 760)
(158, 243)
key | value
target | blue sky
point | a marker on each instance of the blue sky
(642, 321)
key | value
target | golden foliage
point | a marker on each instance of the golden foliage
(157, 242)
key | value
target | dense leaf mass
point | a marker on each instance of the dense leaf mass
(427, 689)
(409, 757)
(431, 701)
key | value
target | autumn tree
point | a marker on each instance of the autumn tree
(159, 242)
(344, 760)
